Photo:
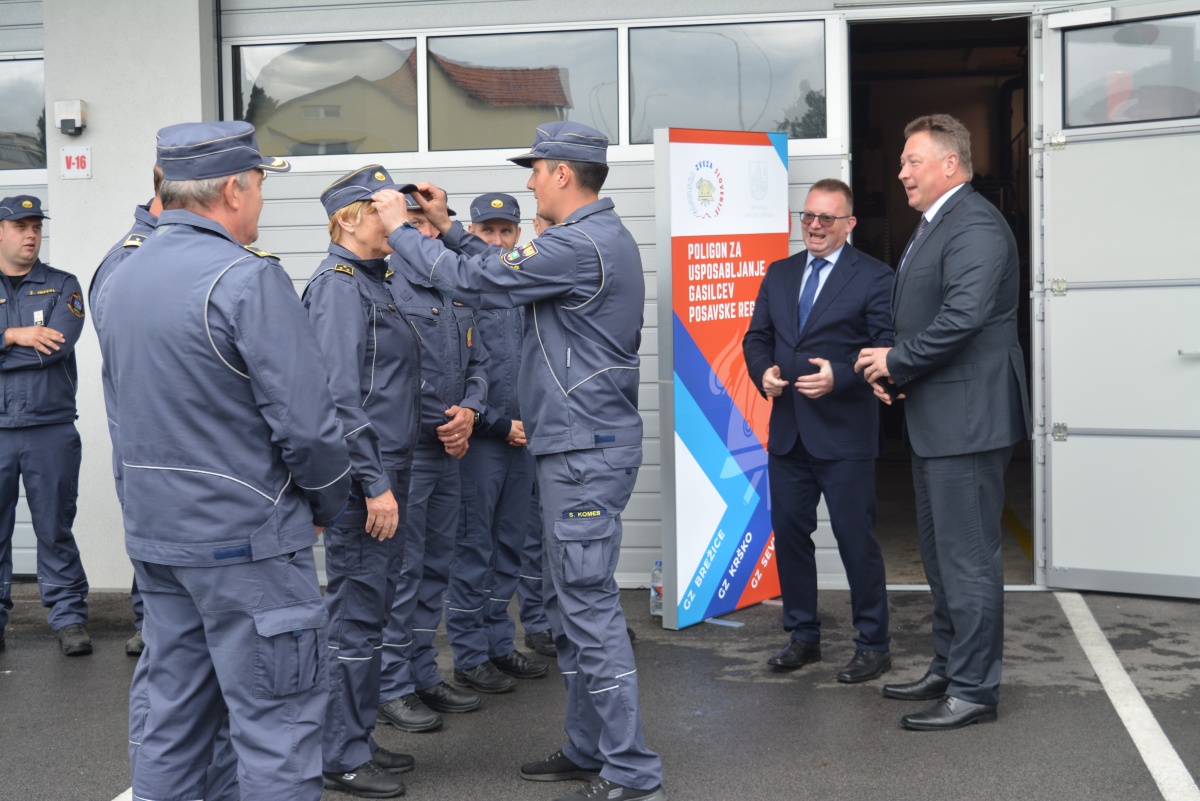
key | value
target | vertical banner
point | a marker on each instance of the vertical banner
(722, 204)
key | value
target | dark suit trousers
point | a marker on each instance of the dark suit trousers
(797, 481)
(959, 503)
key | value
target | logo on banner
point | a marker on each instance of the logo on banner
(758, 179)
(705, 190)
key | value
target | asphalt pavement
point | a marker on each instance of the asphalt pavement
(727, 726)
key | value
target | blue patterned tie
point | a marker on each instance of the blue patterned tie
(912, 243)
(810, 292)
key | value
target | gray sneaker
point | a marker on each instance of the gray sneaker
(605, 790)
(74, 640)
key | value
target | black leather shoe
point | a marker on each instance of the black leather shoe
(929, 687)
(444, 698)
(366, 781)
(74, 640)
(864, 666)
(950, 713)
(798, 653)
(485, 678)
(408, 713)
(519, 666)
(556, 768)
(541, 642)
(392, 761)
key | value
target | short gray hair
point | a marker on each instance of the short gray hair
(948, 134)
(197, 194)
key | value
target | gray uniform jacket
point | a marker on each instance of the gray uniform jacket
(454, 362)
(957, 358)
(229, 438)
(38, 389)
(502, 331)
(144, 224)
(374, 363)
(586, 293)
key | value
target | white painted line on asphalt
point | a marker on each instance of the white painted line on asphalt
(125, 796)
(1172, 776)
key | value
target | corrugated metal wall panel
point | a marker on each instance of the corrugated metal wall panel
(20, 26)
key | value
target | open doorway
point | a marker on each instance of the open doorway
(978, 71)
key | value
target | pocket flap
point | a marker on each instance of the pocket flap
(590, 524)
(963, 371)
(294, 617)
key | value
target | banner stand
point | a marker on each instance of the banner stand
(722, 213)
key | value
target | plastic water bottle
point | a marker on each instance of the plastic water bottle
(656, 593)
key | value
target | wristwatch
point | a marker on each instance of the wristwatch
(478, 419)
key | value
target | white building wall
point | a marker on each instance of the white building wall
(139, 66)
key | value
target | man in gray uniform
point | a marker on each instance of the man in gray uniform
(41, 317)
(498, 494)
(584, 286)
(234, 461)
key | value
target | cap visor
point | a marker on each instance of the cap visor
(276, 165)
(524, 160)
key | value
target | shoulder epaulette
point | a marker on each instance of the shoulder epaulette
(262, 254)
(343, 268)
(134, 241)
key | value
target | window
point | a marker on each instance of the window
(334, 97)
(1133, 72)
(490, 91)
(22, 115)
(754, 77)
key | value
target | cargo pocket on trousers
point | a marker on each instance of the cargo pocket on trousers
(289, 653)
(586, 545)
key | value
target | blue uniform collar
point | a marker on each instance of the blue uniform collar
(603, 204)
(36, 274)
(144, 221)
(376, 268)
(185, 217)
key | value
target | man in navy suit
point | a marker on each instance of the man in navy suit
(815, 311)
(959, 368)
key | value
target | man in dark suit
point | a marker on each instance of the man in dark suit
(958, 365)
(815, 311)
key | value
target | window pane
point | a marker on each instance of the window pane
(335, 97)
(761, 77)
(490, 91)
(22, 115)
(1137, 71)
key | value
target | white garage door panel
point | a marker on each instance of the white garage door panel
(1093, 187)
(1102, 345)
(1117, 497)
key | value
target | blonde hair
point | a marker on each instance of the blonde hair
(351, 214)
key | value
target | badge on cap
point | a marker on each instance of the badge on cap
(518, 256)
(380, 176)
(27, 204)
(497, 203)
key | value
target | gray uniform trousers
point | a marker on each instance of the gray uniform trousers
(221, 775)
(497, 495)
(47, 457)
(430, 525)
(362, 573)
(583, 494)
(250, 634)
(959, 503)
(530, 595)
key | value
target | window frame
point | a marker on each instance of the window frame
(837, 89)
(31, 176)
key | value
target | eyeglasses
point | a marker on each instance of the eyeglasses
(827, 220)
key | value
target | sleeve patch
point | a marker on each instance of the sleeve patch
(260, 253)
(75, 304)
(343, 268)
(134, 241)
(517, 256)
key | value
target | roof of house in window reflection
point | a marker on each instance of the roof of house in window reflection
(402, 84)
(508, 86)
